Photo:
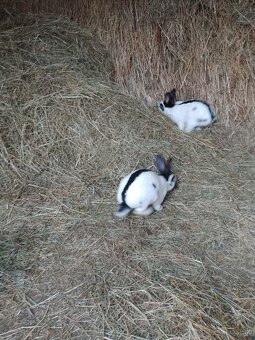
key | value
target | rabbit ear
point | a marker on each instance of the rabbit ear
(170, 98)
(160, 164)
(173, 92)
(169, 163)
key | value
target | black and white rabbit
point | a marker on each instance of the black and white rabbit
(143, 190)
(188, 115)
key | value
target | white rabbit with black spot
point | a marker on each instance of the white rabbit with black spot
(188, 115)
(143, 190)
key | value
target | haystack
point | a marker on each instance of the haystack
(70, 269)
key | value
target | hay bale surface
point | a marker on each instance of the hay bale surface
(69, 268)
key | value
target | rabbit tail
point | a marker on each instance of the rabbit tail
(123, 210)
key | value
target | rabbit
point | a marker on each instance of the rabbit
(188, 115)
(143, 190)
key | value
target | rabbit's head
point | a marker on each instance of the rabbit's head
(164, 168)
(169, 101)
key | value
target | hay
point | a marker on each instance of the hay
(203, 48)
(69, 268)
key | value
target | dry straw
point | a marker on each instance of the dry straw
(69, 268)
(204, 48)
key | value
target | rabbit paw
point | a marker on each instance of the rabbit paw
(157, 207)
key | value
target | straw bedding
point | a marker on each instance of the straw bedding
(69, 268)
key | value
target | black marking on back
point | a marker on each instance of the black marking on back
(191, 101)
(200, 101)
(154, 185)
(130, 181)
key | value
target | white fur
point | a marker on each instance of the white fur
(142, 197)
(188, 117)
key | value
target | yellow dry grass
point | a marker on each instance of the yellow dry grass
(203, 48)
(69, 269)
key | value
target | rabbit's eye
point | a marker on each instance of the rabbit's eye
(161, 106)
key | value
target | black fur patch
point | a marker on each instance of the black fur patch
(171, 98)
(154, 185)
(161, 106)
(169, 104)
(166, 174)
(130, 181)
(123, 206)
(190, 101)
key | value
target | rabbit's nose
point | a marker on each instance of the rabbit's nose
(161, 106)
